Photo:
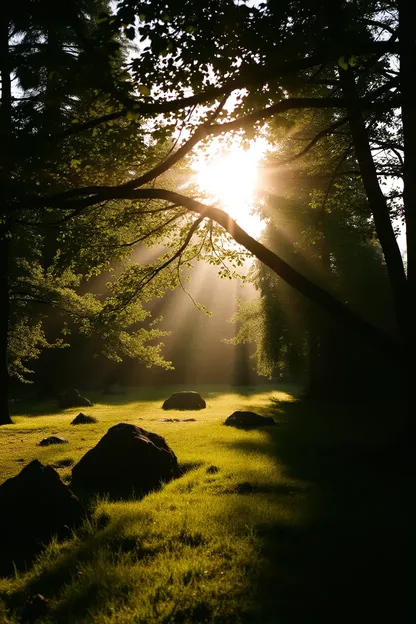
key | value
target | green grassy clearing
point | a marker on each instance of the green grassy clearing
(322, 537)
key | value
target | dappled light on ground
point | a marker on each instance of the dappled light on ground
(140, 406)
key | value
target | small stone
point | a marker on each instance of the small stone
(168, 420)
(52, 440)
(83, 419)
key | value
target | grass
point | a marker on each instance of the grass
(322, 534)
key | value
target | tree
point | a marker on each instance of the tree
(294, 339)
(321, 226)
(282, 50)
(45, 258)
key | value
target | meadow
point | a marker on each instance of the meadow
(322, 533)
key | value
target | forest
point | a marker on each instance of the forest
(90, 122)
(214, 196)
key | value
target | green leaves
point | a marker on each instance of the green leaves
(343, 63)
(347, 61)
(144, 90)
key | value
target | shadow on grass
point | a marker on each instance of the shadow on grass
(59, 570)
(350, 557)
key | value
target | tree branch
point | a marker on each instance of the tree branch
(322, 134)
(251, 76)
(148, 234)
(195, 225)
(202, 132)
(89, 125)
(295, 279)
(370, 22)
(21, 296)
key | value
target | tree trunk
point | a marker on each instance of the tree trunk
(52, 122)
(6, 160)
(324, 299)
(242, 373)
(407, 41)
(376, 199)
(5, 418)
(403, 291)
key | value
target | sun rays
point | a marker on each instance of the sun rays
(230, 178)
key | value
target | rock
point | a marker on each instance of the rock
(176, 420)
(186, 400)
(35, 506)
(114, 388)
(127, 461)
(72, 398)
(52, 440)
(83, 419)
(247, 419)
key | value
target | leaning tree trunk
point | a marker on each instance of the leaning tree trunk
(5, 173)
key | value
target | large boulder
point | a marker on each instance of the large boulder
(127, 461)
(186, 400)
(72, 398)
(248, 420)
(35, 505)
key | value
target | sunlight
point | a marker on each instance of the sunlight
(230, 178)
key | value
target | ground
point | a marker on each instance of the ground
(321, 534)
